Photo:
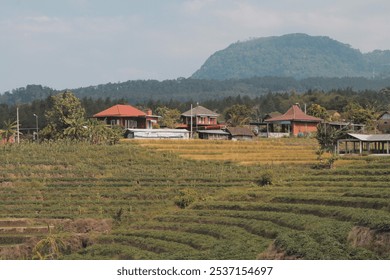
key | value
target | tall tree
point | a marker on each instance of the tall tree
(65, 117)
(318, 111)
(170, 117)
(357, 114)
(327, 137)
(237, 115)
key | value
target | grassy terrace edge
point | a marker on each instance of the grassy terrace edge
(121, 201)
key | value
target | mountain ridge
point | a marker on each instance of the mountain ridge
(295, 55)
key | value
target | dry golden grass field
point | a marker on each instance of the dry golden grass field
(261, 151)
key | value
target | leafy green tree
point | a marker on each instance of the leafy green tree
(237, 115)
(355, 113)
(65, 118)
(170, 117)
(96, 131)
(99, 133)
(76, 130)
(327, 137)
(318, 111)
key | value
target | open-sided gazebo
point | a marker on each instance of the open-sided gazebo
(364, 144)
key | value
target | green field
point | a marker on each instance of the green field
(121, 201)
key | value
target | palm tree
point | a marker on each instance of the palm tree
(76, 129)
(9, 130)
(100, 133)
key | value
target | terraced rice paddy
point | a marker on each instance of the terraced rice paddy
(118, 202)
(269, 151)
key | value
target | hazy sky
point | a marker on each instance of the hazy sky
(73, 43)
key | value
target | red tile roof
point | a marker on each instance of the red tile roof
(121, 111)
(294, 114)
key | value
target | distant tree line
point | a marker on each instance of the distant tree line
(182, 90)
(354, 105)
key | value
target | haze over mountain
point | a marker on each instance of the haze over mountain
(293, 55)
(296, 62)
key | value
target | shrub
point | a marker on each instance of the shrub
(185, 198)
(266, 178)
(327, 163)
(49, 248)
(118, 215)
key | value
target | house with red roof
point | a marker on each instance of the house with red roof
(127, 116)
(294, 122)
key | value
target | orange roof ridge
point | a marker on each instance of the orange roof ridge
(120, 110)
(294, 114)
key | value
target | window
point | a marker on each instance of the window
(131, 124)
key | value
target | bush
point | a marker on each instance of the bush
(185, 198)
(118, 215)
(266, 178)
(327, 163)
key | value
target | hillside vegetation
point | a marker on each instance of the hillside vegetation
(293, 55)
(137, 200)
(193, 90)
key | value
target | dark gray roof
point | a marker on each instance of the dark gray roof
(200, 111)
(240, 131)
(345, 123)
(212, 131)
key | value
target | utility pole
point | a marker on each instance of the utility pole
(36, 125)
(191, 123)
(17, 126)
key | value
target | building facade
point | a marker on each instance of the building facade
(199, 118)
(294, 122)
(127, 116)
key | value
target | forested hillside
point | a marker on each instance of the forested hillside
(293, 55)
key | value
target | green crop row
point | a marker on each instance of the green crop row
(375, 219)
(306, 213)
(357, 202)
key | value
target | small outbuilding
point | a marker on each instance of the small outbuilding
(349, 126)
(384, 122)
(240, 133)
(213, 134)
(133, 133)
